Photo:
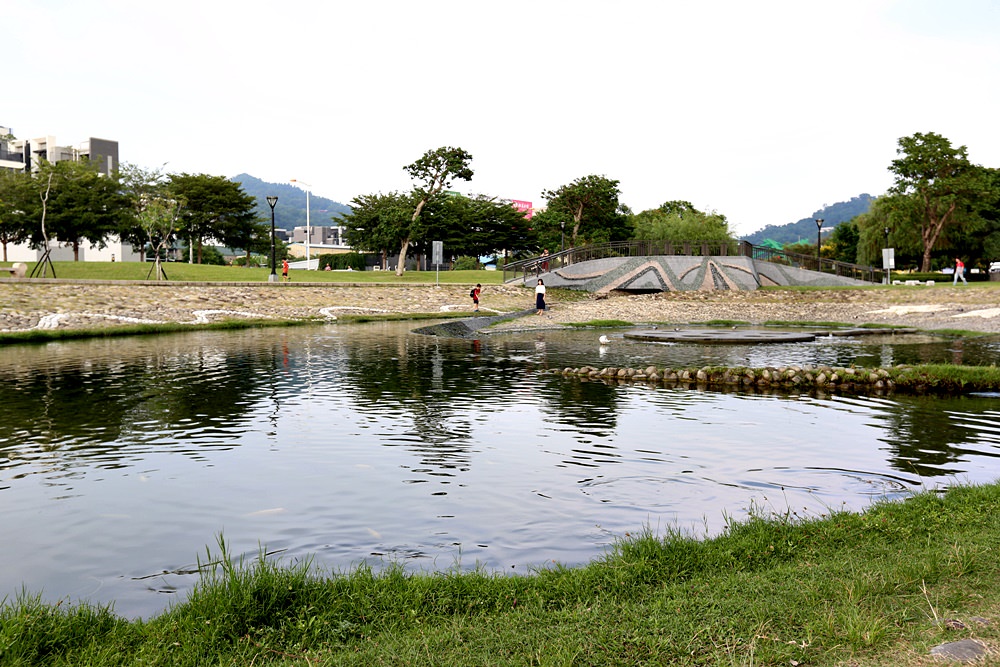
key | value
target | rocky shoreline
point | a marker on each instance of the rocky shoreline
(51, 304)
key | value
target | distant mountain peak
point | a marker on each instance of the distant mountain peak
(290, 212)
(832, 215)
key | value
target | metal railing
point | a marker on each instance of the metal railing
(537, 265)
(869, 274)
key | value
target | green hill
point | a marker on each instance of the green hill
(290, 211)
(805, 229)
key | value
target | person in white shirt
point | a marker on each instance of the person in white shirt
(540, 298)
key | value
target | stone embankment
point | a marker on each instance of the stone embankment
(824, 379)
(794, 377)
(52, 304)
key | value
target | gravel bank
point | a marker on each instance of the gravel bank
(63, 305)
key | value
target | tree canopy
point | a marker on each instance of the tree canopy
(477, 226)
(591, 208)
(80, 204)
(215, 207)
(377, 222)
(16, 189)
(433, 172)
(936, 190)
(680, 221)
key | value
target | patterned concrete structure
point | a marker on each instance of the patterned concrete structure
(679, 273)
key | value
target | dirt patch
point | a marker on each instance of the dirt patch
(66, 305)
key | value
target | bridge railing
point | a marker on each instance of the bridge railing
(802, 261)
(533, 267)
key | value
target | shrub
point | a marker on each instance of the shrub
(466, 264)
(342, 261)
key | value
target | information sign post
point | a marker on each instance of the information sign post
(437, 257)
(888, 263)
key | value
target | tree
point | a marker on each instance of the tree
(901, 216)
(141, 187)
(477, 226)
(844, 241)
(990, 242)
(378, 222)
(79, 204)
(434, 172)
(678, 221)
(214, 207)
(946, 188)
(591, 204)
(15, 191)
(158, 218)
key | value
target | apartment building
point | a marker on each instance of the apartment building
(28, 155)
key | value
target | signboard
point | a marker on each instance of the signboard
(523, 206)
(888, 258)
(437, 252)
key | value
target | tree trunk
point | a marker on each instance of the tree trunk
(402, 257)
(930, 233)
(577, 216)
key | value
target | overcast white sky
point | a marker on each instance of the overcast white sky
(763, 111)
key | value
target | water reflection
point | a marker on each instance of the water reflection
(123, 458)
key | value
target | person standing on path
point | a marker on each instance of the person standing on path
(475, 297)
(284, 270)
(959, 272)
(540, 298)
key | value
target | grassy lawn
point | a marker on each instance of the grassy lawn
(180, 271)
(862, 589)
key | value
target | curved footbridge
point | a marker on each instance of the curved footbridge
(679, 272)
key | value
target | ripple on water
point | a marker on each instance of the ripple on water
(120, 464)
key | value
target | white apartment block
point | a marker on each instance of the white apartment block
(28, 155)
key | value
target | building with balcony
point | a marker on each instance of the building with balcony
(28, 154)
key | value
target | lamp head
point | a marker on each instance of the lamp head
(271, 201)
(819, 223)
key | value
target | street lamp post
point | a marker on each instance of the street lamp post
(271, 201)
(819, 239)
(308, 228)
(562, 235)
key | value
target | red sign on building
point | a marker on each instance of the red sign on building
(523, 206)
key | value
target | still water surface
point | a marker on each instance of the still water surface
(121, 461)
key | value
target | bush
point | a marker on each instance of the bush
(939, 277)
(466, 264)
(209, 255)
(342, 261)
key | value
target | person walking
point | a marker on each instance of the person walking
(475, 297)
(284, 270)
(959, 272)
(540, 298)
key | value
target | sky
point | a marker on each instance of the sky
(762, 111)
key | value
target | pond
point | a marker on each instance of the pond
(121, 461)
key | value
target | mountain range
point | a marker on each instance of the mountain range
(290, 211)
(805, 229)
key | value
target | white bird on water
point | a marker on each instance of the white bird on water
(604, 340)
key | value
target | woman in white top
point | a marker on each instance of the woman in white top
(540, 298)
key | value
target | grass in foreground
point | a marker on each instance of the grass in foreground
(864, 589)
